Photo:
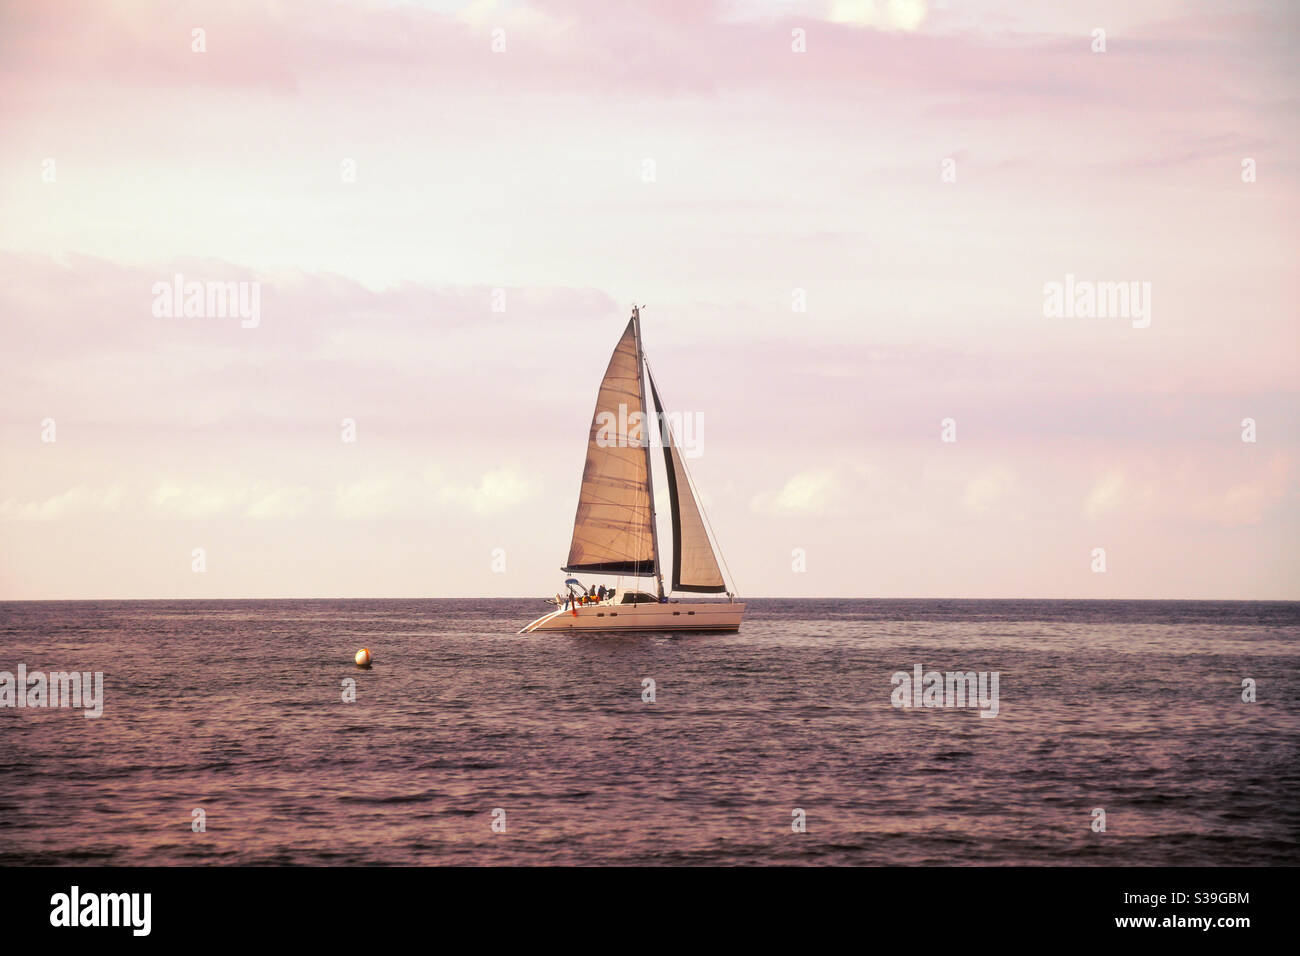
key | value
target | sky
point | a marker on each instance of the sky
(843, 219)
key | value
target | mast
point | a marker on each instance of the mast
(649, 471)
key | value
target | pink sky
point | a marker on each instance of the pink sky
(775, 171)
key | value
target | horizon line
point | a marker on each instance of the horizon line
(1184, 600)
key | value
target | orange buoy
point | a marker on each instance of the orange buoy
(363, 657)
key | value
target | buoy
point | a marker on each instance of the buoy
(363, 657)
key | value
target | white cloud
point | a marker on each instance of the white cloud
(432, 492)
(195, 500)
(1106, 494)
(1193, 492)
(809, 492)
(1247, 501)
(879, 14)
(77, 500)
(987, 488)
(280, 503)
(492, 13)
(373, 497)
(498, 490)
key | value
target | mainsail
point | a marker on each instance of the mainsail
(695, 566)
(613, 531)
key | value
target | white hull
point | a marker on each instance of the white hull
(642, 617)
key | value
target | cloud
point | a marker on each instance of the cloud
(280, 503)
(373, 497)
(379, 495)
(987, 488)
(498, 490)
(1105, 495)
(1246, 502)
(195, 499)
(207, 499)
(296, 48)
(1187, 492)
(74, 501)
(432, 492)
(807, 493)
(521, 170)
(879, 14)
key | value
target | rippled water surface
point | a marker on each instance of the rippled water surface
(235, 707)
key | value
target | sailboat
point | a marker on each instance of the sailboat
(615, 532)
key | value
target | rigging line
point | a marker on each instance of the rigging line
(717, 546)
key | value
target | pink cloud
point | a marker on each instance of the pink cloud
(775, 173)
